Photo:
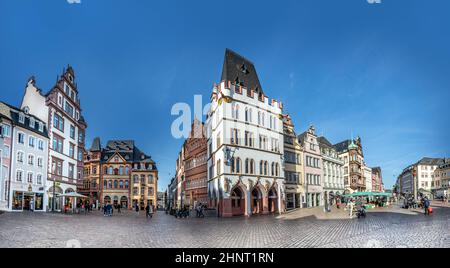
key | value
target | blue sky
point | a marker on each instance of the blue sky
(380, 71)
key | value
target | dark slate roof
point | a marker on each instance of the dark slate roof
(128, 150)
(14, 116)
(376, 170)
(236, 67)
(431, 161)
(323, 141)
(301, 137)
(96, 145)
(342, 146)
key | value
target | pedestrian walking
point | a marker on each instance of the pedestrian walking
(137, 209)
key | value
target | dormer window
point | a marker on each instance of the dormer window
(244, 69)
(67, 89)
(26, 110)
(21, 118)
(70, 78)
(32, 122)
(41, 127)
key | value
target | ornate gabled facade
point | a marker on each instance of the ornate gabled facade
(245, 144)
(351, 152)
(312, 168)
(120, 174)
(293, 167)
(60, 109)
(195, 166)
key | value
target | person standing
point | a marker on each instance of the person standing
(137, 209)
(118, 208)
(147, 211)
(150, 211)
(351, 206)
(426, 205)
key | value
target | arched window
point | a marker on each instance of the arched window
(121, 184)
(237, 112)
(110, 184)
(247, 166)
(126, 184)
(273, 169)
(277, 169)
(252, 166)
(232, 165)
(261, 169)
(265, 167)
(271, 121)
(250, 115)
(105, 184)
(121, 171)
(127, 170)
(110, 171)
(238, 165)
(135, 179)
(263, 119)
(116, 184)
(259, 118)
(247, 115)
(105, 170)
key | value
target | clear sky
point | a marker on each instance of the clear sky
(381, 71)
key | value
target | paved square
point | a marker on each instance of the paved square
(388, 227)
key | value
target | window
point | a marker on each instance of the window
(30, 159)
(142, 190)
(72, 132)
(32, 122)
(150, 179)
(20, 157)
(57, 166)
(57, 143)
(150, 191)
(234, 136)
(19, 175)
(262, 142)
(116, 184)
(218, 142)
(135, 179)
(248, 139)
(126, 184)
(6, 131)
(71, 150)
(30, 177)
(110, 184)
(21, 138)
(41, 127)
(31, 141)
(71, 171)
(80, 155)
(121, 184)
(67, 89)
(80, 137)
(58, 122)
(135, 190)
(6, 152)
(218, 167)
(39, 179)
(21, 118)
(41, 145)
(68, 109)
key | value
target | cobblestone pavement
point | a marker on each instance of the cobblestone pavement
(387, 227)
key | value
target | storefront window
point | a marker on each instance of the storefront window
(17, 200)
(39, 202)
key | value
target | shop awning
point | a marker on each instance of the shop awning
(73, 194)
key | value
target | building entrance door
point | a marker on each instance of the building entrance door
(28, 202)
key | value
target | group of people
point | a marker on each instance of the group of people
(149, 210)
(108, 210)
(185, 211)
(355, 205)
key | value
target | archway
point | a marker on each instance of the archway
(237, 202)
(273, 200)
(124, 202)
(257, 201)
